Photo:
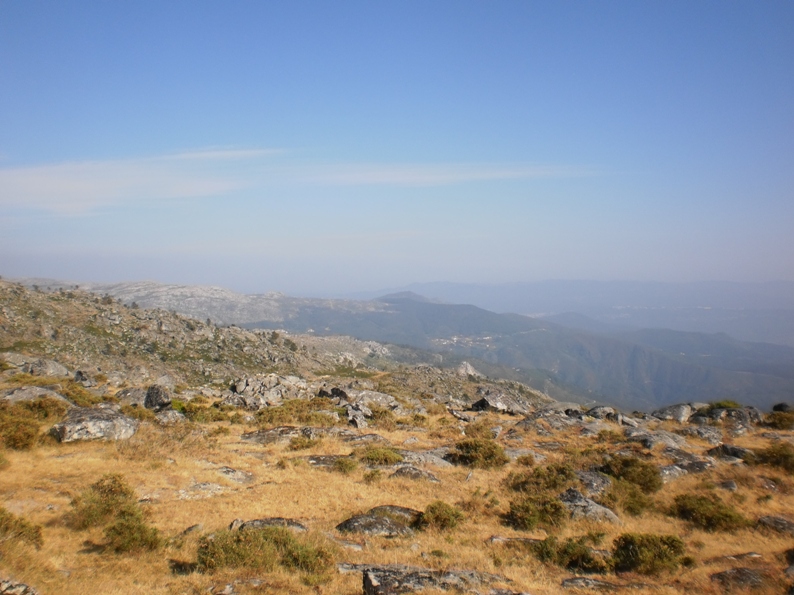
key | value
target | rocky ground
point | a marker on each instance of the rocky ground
(148, 452)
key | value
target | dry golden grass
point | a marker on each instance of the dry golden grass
(163, 464)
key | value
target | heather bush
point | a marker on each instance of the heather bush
(647, 553)
(379, 455)
(440, 515)
(536, 511)
(707, 512)
(554, 477)
(779, 454)
(573, 554)
(480, 453)
(644, 475)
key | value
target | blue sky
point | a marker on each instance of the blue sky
(318, 147)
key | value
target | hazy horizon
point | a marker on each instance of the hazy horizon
(320, 149)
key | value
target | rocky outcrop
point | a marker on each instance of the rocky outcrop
(32, 393)
(94, 423)
(679, 413)
(270, 390)
(414, 473)
(500, 403)
(132, 396)
(35, 366)
(649, 439)
(777, 523)
(392, 579)
(9, 587)
(740, 578)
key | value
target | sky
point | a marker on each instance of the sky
(318, 148)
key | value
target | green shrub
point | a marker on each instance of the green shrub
(129, 533)
(480, 453)
(298, 411)
(626, 496)
(724, 404)
(17, 529)
(111, 502)
(45, 409)
(345, 465)
(19, 423)
(480, 428)
(553, 477)
(647, 553)
(18, 433)
(526, 460)
(707, 512)
(644, 475)
(379, 455)
(373, 476)
(440, 515)
(573, 554)
(533, 511)
(781, 420)
(779, 454)
(264, 549)
(383, 418)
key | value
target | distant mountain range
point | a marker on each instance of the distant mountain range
(585, 359)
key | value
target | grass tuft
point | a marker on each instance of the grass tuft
(480, 453)
(647, 553)
(707, 512)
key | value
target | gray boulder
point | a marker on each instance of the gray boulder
(594, 483)
(499, 403)
(169, 417)
(374, 525)
(45, 367)
(157, 398)
(396, 578)
(97, 423)
(400, 514)
(730, 450)
(710, 434)
(583, 582)
(583, 507)
(601, 412)
(650, 439)
(679, 413)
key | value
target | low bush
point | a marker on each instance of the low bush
(553, 477)
(20, 423)
(102, 502)
(130, 532)
(779, 454)
(345, 465)
(441, 516)
(383, 418)
(373, 476)
(626, 496)
(139, 413)
(724, 404)
(303, 443)
(299, 411)
(265, 549)
(647, 553)
(573, 554)
(780, 420)
(537, 511)
(644, 475)
(111, 502)
(379, 455)
(480, 453)
(480, 503)
(16, 529)
(480, 428)
(707, 512)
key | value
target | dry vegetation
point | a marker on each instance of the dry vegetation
(122, 517)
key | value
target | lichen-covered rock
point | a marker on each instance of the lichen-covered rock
(649, 439)
(169, 417)
(583, 582)
(401, 514)
(583, 507)
(710, 434)
(132, 396)
(594, 483)
(415, 473)
(291, 524)
(374, 525)
(32, 393)
(393, 579)
(281, 434)
(94, 423)
(499, 403)
(157, 398)
(730, 450)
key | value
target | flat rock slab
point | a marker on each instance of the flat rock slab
(393, 579)
(777, 523)
(236, 475)
(740, 578)
(582, 582)
(415, 473)
(94, 423)
(280, 434)
(291, 524)
(199, 491)
(430, 457)
(400, 514)
(650, 439)
(31, 393)
(324, 461)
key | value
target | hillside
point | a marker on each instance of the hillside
(633, 370)
(145, 452)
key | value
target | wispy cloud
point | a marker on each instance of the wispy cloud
(80, 187)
